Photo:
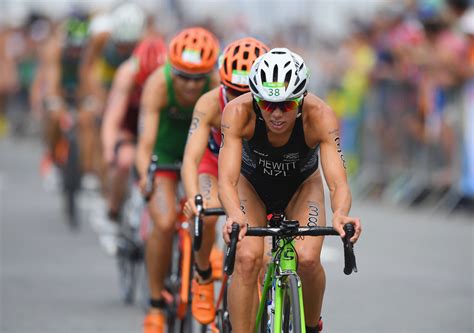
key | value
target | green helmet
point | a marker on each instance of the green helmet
(77, 31)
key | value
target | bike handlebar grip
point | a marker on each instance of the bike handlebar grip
(349, 257)
(198, 222)
(230, 254)
(150, 177)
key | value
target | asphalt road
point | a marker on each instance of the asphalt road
(415, 267)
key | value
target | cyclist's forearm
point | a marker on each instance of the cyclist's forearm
(341, 199)
(229, 198)
(143, 159)
(189, 175)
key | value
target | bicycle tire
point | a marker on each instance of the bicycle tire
(291, 311)
(174, 275)
(222, 321)
(263, 327)
(72, 181)
(128, 266)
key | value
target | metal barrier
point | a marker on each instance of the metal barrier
(408, 157)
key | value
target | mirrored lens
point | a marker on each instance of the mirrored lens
(283, 106)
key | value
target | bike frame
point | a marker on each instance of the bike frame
(283, 263)
(179, 298)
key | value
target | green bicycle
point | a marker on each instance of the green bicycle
(281, 305)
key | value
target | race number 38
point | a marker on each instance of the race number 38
(274, 91)
(274, 88)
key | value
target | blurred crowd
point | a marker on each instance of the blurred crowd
(401, 81)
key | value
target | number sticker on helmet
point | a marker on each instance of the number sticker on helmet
(240, 77)
(274, 88)
(191, 56)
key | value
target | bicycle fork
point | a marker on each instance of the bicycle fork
(277, 272)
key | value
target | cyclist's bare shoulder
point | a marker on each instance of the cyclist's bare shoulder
(207, 108)
(239, 116)
(318, 119)
(126, 71)
(155, 92)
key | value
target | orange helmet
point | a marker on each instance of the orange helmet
(236, 61)
(194, 51)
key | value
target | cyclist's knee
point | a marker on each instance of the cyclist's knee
(248, 263)
(163, 226)
(125, 160)
(308, 263)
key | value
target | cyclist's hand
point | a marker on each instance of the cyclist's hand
(338, 222)
(190, 209)
(142, 185)
(228, 229)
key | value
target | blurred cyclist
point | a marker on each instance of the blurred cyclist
(58, 80)
(199, 171)
(120, 125)
(269, 163)
(167, 104)
(104, 54)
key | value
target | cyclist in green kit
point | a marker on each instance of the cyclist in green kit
(166, 110)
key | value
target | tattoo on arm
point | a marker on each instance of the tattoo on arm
(194, 125)
(222, 140)
(339, 150)
(223, 128)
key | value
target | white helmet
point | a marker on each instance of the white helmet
(278, 75)
(128, 23)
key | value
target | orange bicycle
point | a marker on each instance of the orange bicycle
(177, 292)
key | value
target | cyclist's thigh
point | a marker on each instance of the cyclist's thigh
(208, 189)
(307, 206)
(255, 212)
(162, 204)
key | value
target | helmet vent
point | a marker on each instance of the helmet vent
(286, 65)
(252, 86)
(275, 73)
(211, 54)
(257, 52)
(224, 65)
(234, 64)
(236, 50)
(263, 76)
(299, 88)
(278, 52)
(288, 77)
(246, 55)
(266, 63)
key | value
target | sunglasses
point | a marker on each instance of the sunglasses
(284, 106)
(189, 77)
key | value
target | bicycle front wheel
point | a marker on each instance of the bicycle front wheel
(291, 321)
